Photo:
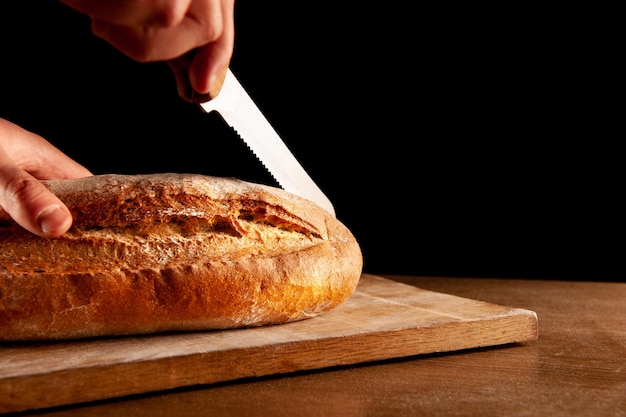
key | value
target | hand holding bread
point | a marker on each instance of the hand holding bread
(173, 252)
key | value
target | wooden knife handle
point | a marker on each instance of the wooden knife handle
(180, 68)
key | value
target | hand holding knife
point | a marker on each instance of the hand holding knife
(240, 112)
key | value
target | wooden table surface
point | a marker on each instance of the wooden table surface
(577, 367)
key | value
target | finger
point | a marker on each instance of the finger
(35, 155)
(207, 22)
(208, 69)
(133, 12)
(210, 63)
(147, 44)
(47, 162)
(29, 202)
(25, 158)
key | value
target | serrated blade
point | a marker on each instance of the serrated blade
(241, 113)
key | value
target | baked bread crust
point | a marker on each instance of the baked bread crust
(173, 252)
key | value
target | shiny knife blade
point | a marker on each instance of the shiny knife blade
(240, 112)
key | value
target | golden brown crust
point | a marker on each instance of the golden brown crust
(171, 252)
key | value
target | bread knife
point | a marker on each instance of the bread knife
(240, 112)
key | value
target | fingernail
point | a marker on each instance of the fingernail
(216, 83)
(52, 219)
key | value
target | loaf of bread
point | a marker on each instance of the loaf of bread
(173, 252)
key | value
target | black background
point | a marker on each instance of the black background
(452, 141)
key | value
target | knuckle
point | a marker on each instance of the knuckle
(20, 189)
(169, 15)
(211, 33)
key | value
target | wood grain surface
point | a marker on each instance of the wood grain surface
(383, 319)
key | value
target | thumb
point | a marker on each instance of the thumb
(30, 203)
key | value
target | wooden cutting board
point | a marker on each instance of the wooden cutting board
(383, 319)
